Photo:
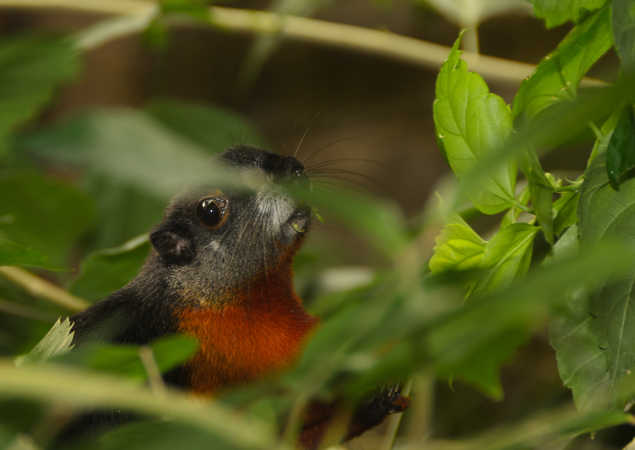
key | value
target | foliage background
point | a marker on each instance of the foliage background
(92, 168)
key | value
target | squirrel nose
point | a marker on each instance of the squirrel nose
(291, 170)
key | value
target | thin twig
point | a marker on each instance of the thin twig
(152, 369)
(39, 287)
(395, 421)
(378, 42)
(294, 423)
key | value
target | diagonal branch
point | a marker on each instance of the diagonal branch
(139, 13)
(41, 288)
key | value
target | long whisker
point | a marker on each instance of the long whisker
(319, 150)
(297, 148)
(329, 162)
(350, 173)
(339, 181)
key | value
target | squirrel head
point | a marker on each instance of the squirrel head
(214, 241)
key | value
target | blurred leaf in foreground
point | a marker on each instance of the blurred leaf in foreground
(470, 122)
(213, 128)
(160, 435)
(133, 164)
(105, 271)
(12, 254)
(557, 12)
(30, 69)
(84, 389)
(58, 341)
(136, 161)
(43, 214)
(127, 147)
(551, 429)
(624, 32)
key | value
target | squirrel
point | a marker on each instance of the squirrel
(220, 270)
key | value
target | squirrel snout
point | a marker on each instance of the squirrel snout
(289, 170)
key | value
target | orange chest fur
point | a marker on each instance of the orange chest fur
(243, 342)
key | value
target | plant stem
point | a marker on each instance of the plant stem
(470, 40)
(152, 370)
(395, 421)
(402, 48)
(39, 287)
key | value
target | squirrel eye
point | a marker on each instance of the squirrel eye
(210, 211)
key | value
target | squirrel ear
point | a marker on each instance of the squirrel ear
(172, 245)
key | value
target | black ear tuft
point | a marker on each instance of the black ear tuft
(174, 245)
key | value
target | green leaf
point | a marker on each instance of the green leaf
(12, 254)
(133, 166)
(620, 154)
(480, 330)
(482, 368)
(507, 256)
(171, 139)
(504, 258)
(123, 211)
(552, 127)
(604, 135)
(128, 147)
(581, 363)
(30, 69)
(43, 214)
(541, 192)
(213, 128)
(557, 12)
(557, 76)
(607, 214)
(58, 341)
(105, 271)
(470, 122)
(566, 211)
(457, 247)
(624, 32)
